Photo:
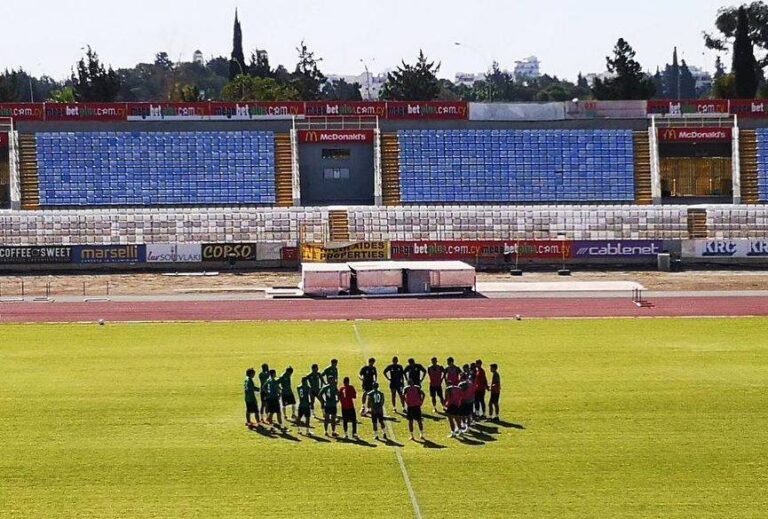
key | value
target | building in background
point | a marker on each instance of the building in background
(370, 83)
(703, 80)
(198, 58)
(528, 68)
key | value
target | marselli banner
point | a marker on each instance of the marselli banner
(361, 251)
(685, 135)
(617, 249)
(336, 136)
(103, 254)
(737, 248)
(35, 255)
(229, 251)
(173, 253)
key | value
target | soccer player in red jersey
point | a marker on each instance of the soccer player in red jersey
(454, 398)
(481, 386)
(452, 373)
(436, 373)
(347, 395)
(467, 388)
(414, 399)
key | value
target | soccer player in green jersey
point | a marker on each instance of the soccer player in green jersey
(331, 372)
(263, 377)
(329, 397)
(286, 393)
(271, 389)
(250, 390)
(304, 404)
(376, 409)
(315, 379)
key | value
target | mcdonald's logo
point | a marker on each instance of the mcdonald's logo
(670, 134)
(336, 136)
(312, 137)
(695, 134)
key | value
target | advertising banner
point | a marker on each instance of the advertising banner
(749, 108)
(361, 251)
(109, 254)
(689, 106)
(277, 110)
(167, 111)
(336, 136)
(736, 248)
(85, 112)
(517, 111)
(617, 249)
(605, 109)
(173, 253)
(289, 254)
(473, 250)
(224, 252)
(35, 255)
(427, 110)
(230, 111)
(269, 251)
(346, 109)
(688, 135)
(3, 139)
(23, 111)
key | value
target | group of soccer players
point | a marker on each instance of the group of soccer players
(463, 400)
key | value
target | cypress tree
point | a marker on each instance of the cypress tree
(744, 63)
(237, 65)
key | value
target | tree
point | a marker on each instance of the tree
(744, 63)
(9, 86)
(340, 90)
(259, 66)
(413, 82)
(719, 69)
(658, 84)
(628, 81)
(581, 82)
(64, 95)
(307, 78)
(727, 22)
(248, 88)
(92, 82)
(237, 64)
(687, 83)
(185, 93)
(163, 61)
(671, 76)
(725, 87)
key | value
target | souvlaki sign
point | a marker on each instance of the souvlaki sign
(173, 253)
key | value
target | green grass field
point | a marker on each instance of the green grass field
(622, 418)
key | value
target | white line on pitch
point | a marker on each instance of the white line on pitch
(391, 432)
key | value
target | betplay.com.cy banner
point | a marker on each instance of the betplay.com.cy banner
(361, 251)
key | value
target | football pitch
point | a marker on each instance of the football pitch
(601, 418)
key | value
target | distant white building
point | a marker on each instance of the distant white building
(370, 83)
(528, 68)
(468, 79)
(198, 58)
(702, 77)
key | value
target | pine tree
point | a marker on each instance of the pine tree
(413, 82)
(719, 69)
(744, 63)
(237, 64)
(628, 81)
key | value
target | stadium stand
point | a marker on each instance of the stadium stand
(516, 166)
(737, 221)
(94, 169)
(762, 164)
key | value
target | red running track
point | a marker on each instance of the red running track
(378, 309)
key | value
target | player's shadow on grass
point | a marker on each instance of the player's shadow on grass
(429, 444)
(485, 429)
(318, 439)
(433, 418)
(509, 425)
(359, 443)
(480, 436)
(470, 441)
(389, 442)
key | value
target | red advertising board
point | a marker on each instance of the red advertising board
(23, 111)
(167, 111)
(3, 140)
(85, 112)
(688, 135)
(427, 110)
(278, 109)
(473, 250)
(218, 110)
(346, 109)
(336, 136)
(687, 106)
(749, 108)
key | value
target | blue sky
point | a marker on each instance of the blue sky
(568, 36)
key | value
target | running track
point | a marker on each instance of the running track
(378, 309)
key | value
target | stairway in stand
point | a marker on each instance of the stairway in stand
(749, 176)
(390, 169)
(338, 225)
(643, 193)
(28, 177)
(283, 170)
(697, 224)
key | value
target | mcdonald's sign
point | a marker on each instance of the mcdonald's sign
(336, 136)
(689, 135)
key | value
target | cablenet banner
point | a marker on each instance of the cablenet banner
(336, 136)
(688, 135)
(346, 109)
(474, 250)
(617, 249)
(427, 110)
(85, 112)
(361, 251)
(23, 111)
(736, 248)
(691, 106)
